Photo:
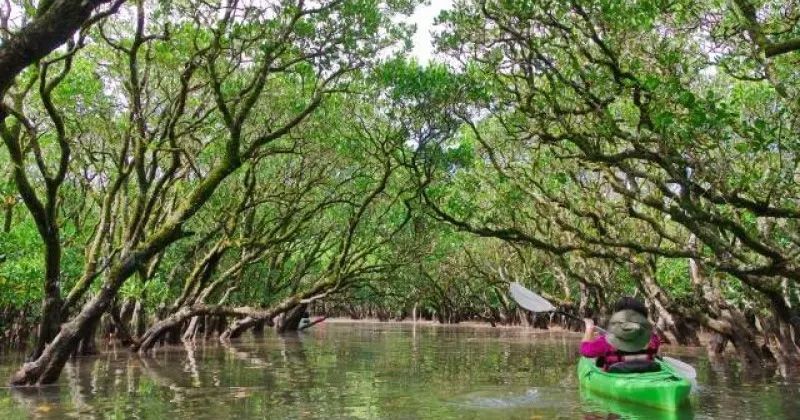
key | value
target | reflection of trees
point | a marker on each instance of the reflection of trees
(87, 380)
(152, 370)
(301, 383)
(38, 402)
(191, 363)
(358, 372)
(80, 383)
(254, 361)
(240, 353)
(292, 350)
(286, 375)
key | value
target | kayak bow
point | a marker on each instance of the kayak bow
(664, 390)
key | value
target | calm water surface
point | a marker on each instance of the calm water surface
(400, 371)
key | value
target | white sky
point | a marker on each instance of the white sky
(423, 17)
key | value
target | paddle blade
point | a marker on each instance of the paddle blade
(684, 369)
(529, 300)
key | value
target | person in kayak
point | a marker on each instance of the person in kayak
(631, 344)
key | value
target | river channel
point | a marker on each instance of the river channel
(371, 371)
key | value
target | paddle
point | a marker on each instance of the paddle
(684, 369)
(537, 304)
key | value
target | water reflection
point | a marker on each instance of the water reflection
(594, 405)
(369, 371)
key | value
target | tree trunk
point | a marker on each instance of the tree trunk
(153, 334)
(677, 327)
(717, 343)
(47, 367)
(176, 319)
(126, 312)
(725, 319)
(9, 217)
(290, 321)
(138, 319)
(107, 325)
(191, 330)
(222, 324)
(788, 325)
(51, 305)
(51, 28)
(779, 344)
(319, 290)
(583, 303)
(121, 330)
(258, 328)
(87, 345)
(173, 335)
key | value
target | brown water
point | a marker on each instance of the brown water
(365, 371)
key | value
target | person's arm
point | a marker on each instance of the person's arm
(590, 346)
(589, 334)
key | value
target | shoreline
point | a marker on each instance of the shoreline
(479, 325)
(688, 350)
(471, 324)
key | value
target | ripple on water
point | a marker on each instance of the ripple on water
(498, 398)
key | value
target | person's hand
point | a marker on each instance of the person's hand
(589, 324)
(588, 335)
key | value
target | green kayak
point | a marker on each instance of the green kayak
(664, 390)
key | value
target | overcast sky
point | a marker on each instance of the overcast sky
(423, 17)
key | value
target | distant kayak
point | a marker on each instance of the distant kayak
(664, 390)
